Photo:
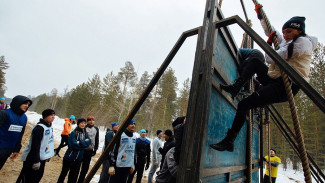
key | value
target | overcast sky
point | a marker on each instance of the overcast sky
(61, 43)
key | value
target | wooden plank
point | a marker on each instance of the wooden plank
(207, 172)
(241, 179)
(190, 162)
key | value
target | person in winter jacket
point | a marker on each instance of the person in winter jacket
(3, 105)
(12, 128)
(39, 149)
(178, 126)
(156, 156)
(124, 156)
(104, 176)
(275, 161)
(90, 151)
(296, 47)
(168, 172)
(142, 150)
(168, 145)
(65, 134)
(78, 142)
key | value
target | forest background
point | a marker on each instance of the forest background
(110, 99)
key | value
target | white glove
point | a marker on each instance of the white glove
(111, 170)
(36, 166)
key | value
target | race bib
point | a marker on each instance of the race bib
(15, 128)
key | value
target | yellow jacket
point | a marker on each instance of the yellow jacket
(274, 170)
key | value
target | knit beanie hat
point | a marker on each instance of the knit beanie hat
(178, 120)
(72, 117)
(47, 112)
(131, 122)
(169, 133)
(159, 131)
(295, 23)
(89, 118)
(81, 120)
(2, 98)
(142, 131)
(114, 124)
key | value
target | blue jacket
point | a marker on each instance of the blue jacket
(142, 149)
(12, 124)
(78, 141)
(12, 128)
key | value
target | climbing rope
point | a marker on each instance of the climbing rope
(220, 3)
(269, 149)
(294, 115)
(247, 43)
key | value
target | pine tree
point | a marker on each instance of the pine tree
(167, 99)
(126, 76)
(111, 97)
(3, 66)
(143, 115)
(182, 100)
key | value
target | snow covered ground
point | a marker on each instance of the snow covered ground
(288, 175)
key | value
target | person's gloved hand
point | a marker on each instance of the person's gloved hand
(36, 166)
(132, 169)
(160, 150)
(156, 163)
(257, 9)
(147, 166)
(93, 153)
(14, 155)
(111, 170)
(270, 39)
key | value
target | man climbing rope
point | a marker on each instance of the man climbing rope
(274, 161)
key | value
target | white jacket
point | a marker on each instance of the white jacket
(301, 56)
(156, 156)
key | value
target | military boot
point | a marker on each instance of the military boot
(227, 144)
(234, 89)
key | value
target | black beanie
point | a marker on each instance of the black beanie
(295, 23)
(81, 120)
(273, 150)
(169, 133)
(158, 132)
(178, 121)
(47, 112)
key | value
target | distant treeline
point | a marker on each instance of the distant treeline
(111, 98)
